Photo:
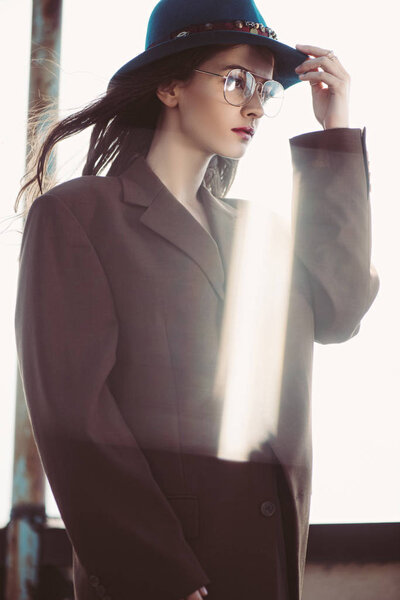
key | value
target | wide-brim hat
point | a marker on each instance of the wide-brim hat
(175, 25)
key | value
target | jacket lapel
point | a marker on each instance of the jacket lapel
(169, 218)
(222, 219)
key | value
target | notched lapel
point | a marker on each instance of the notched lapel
(170, 219)
(222, 220)
(167, 217)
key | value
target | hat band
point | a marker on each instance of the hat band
(243, 26)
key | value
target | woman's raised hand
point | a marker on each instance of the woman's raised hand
(197, 595)
(331, 104)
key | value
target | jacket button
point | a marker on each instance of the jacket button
(268, 508)
(94, 581)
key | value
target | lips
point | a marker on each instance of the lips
(248, 130)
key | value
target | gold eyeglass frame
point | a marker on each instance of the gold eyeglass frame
(256, 86)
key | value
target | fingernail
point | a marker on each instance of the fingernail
(203, 590)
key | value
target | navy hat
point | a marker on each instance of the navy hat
(175, 25)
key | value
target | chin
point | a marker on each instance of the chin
(230, 153)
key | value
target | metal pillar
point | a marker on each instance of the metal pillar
(28, 496)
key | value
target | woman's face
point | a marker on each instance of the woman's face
(204, 119)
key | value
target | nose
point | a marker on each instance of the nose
(254, 106)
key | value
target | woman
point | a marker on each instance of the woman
(120, 303)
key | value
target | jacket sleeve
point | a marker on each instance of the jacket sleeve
(122, 527)
(332, 228)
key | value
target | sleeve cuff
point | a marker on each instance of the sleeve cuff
(319, 144)
(342, 139)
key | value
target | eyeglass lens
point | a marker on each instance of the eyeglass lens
(240, 86)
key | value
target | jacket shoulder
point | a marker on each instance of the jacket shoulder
(86, 184)
(87, 193)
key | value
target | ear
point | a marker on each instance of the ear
(169, 93)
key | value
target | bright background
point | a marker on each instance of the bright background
(356, 385)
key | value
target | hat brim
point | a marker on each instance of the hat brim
(286, 57)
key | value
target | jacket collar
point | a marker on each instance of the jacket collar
(169, 218)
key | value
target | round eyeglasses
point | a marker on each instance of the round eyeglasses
(240, 86)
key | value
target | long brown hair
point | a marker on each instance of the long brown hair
(124, 119)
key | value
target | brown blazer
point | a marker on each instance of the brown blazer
(119, 307)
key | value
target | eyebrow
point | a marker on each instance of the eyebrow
(246, 69)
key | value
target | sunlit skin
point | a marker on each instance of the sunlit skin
(197, 122)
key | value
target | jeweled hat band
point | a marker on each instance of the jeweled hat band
(237, 25)
(177, 25)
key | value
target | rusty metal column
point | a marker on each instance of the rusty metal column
(28, 497)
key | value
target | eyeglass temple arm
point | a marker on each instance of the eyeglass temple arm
(209, 73)
(226, 77)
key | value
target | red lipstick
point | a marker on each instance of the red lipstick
(245, 132)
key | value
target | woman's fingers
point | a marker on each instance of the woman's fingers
(325, 67)
(195, 596)
(314, 50)
(330, 103)
(330, 65)
(333, 82)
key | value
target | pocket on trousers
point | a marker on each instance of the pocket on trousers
(186, 508)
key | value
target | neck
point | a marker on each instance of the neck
(177, 163)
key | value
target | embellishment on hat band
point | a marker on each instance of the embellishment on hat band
(237, 25)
